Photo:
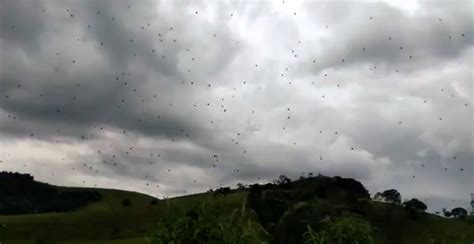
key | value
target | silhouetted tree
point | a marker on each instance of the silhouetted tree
(459, 213)
(282, 180)
(415, 204)
(391, 196)
(446, 213)
(255, 188)
(354, 188)
(414, 207)
(240, 186)
(222, 191)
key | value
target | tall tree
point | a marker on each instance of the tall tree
(391, 196)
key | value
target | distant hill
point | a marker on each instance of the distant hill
(284, 208)
(21, 194)
(34, 210)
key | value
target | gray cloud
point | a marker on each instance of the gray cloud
(154, 97)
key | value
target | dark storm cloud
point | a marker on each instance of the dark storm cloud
(190, 96)
(79, 90)
(21, 24)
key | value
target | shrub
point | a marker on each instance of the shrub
(210, 224)
(341, 230)
(313, 237)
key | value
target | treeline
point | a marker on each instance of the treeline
(318, 208)
(21, 194)
(286, 209)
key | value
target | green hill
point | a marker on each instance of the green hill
(103, 220)
(284, 209)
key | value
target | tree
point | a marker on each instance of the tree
(353, 187)
(446, 213)
(415, 205)
(222, 191)
(391, 196)
(459, 213)
(240, 186)
(282, 180)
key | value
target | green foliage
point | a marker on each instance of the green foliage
(311, 202)
(313, 237)
(292, 224)
(210, 224)
(341, 231)
(351, 230)
(96, 221)
(391, 196)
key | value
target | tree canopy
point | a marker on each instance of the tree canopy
(391, 196)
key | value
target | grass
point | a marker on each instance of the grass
(106, 221)
(428, 229)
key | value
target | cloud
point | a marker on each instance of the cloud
(170, 98)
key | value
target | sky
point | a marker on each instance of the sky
(171, 98)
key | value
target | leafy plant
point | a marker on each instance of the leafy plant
(313, 237)
(210, 224)
(341, 231)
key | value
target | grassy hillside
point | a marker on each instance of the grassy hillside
(283, 210)
(106, 221)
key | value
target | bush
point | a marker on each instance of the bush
(210, 224)
(341, 230)
(292, 225)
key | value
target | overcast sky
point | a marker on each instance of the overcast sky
(176, 97)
